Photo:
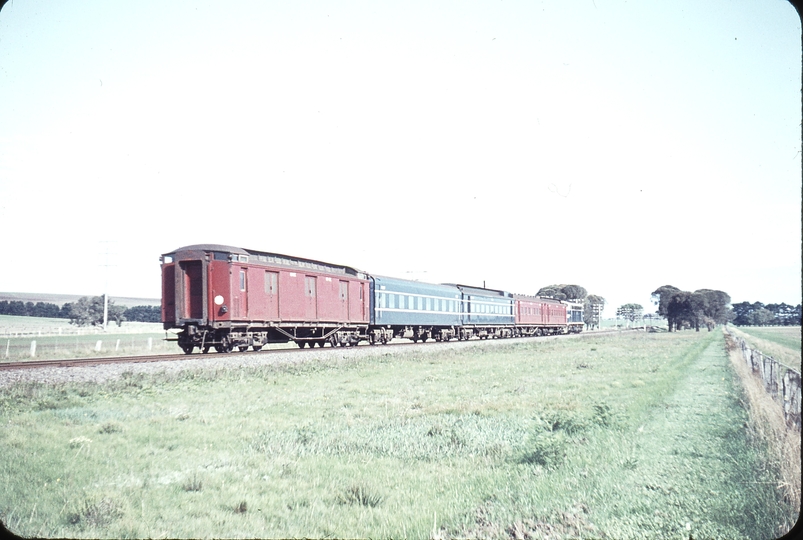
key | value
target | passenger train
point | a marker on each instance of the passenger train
(227, 297)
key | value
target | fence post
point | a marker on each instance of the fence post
(8, 345)
(150, 343)
(117, 347)
(33, 348)
(98, 345)
(791, 397)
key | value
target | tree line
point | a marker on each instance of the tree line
(685, 309)
(85, 311)
(758, 314)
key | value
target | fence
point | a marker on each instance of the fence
(73, 346)
(775, 376)
(66, 330)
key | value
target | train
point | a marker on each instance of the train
(227, 297)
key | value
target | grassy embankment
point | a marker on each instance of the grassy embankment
(624, 436)
(781, 342)
(767, 425)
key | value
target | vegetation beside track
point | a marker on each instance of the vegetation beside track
(621, 436)
(781, 342)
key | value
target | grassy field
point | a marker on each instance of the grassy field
(624, 436)
(56, 338)
(61, 299)
(781, 342)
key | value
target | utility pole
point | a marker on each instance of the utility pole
(106, 264)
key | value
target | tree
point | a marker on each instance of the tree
(592, 310)
(572, 293)
(143, 314)
(760, 317)
(684, 308)
(44, 309)
(784, 314)
(715, 307)
(630, 312)
(16, 307)
(88, 311)
(670, 302)
(742, 312)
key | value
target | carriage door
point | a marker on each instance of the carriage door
(193, 290)
(272, 292)
(311, 298)
(343, 313)
(239, 292)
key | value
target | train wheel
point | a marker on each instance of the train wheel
(225, 346)
(205, 349)
(243, 348)
(301, 344)
(187, 349)
(257, 348)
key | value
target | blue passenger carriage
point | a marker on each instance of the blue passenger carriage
(413, 310)
(487, 312)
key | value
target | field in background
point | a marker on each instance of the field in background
(783, 343)
(57, 338)
(624, 436)
(60, 299)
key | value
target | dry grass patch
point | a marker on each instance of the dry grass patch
(768, 427)
(780, 352)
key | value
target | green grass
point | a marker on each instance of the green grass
(780, 342)
(56, 338)
(626, 436)
(786, 336)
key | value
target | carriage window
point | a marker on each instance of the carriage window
(429, 304)
(242, 280)
(391, 301)
(419, 302)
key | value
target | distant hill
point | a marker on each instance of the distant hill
(61, 299)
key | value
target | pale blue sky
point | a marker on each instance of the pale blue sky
(618, 145)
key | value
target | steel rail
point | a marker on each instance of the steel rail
(76, 362)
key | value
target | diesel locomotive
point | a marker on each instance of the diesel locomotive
(227, 297)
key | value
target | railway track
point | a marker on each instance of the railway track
(76, 362)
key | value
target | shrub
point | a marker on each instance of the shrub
(546, 448)
(360, 494)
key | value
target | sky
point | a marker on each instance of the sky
(617, 145)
